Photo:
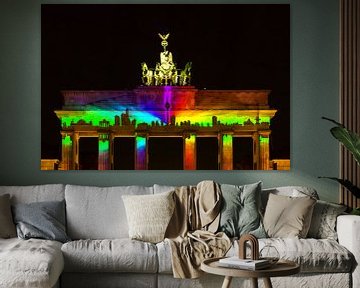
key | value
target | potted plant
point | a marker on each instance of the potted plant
(351, 141)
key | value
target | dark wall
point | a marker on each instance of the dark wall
(314, 93)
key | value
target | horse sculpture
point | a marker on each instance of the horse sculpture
(147, 75)
(185, 74)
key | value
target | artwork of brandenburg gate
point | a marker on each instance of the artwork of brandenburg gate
(165, 105)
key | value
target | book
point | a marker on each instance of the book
(236, 262)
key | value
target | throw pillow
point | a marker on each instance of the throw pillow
(7, 227)
(43, 220)
(240, 213)
(149, 215)
(288, 217)
(323, 222)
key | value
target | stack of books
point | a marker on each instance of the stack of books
(248, 264)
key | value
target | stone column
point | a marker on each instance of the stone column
(256, 151)
(111, 156)
(226, 151)
(141, 152)
(75, 153)
(66, 151)
(264, 151)
(189, 152)
(104, 152)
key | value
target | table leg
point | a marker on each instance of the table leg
(227, 282)
(254, 282)
(267, 283)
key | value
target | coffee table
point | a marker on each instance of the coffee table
(281, 268)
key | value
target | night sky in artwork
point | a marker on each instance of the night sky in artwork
(100, 47)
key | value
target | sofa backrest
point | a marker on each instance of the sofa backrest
(293, 191)
(98, 212)
(35, 193)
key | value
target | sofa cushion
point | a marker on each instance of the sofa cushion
(116, 255)
(240, 210)
(7, 227)
(313, 255)
(35, 193)
(149, 215)
(30, 263)
(163, 188)
(98, 213)
(43, 220)
(287, 216)
(323, 222)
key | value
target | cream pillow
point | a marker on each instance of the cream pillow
(149, 215)
(288, 217)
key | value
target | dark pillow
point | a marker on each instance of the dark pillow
(240, 213)
(44, 220)
(7, 227)
(323, 221)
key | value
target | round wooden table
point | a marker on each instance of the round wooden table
(281, 268)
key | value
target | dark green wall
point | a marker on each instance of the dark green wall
(314, 93)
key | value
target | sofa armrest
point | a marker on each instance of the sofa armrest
(348, 230)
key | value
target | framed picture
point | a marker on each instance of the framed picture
(165, 87)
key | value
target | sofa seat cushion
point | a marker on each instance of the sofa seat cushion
(115, 255)
(30, 263)
(313, 255)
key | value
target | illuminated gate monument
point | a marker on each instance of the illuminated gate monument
(165, 106)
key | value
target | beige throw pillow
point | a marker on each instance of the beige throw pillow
(7, 226)
(288, 217)
(149, 215)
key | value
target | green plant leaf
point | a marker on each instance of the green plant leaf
(347, 184)
(348, 138)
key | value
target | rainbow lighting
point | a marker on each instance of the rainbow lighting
(140, 142)
(227, 143)
(190, 155)
(165, 105)
(104, 148)
(166, 111)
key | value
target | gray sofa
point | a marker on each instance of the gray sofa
(101, 254)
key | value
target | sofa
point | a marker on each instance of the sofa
(99, 252)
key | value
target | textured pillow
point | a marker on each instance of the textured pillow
(240, 210)
(323, 222)
(7, 227)
(288, 217)
(43, 220)
(149, 215)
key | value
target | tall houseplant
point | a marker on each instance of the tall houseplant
(351, 141)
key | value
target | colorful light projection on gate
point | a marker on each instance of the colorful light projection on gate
(140, 152)
(161, 110)
(104, 147)
(189, 151)
(192, 117)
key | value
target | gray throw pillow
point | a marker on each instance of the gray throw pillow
(240, 213)
(7, 226)
(323, 222)
(44, 220)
